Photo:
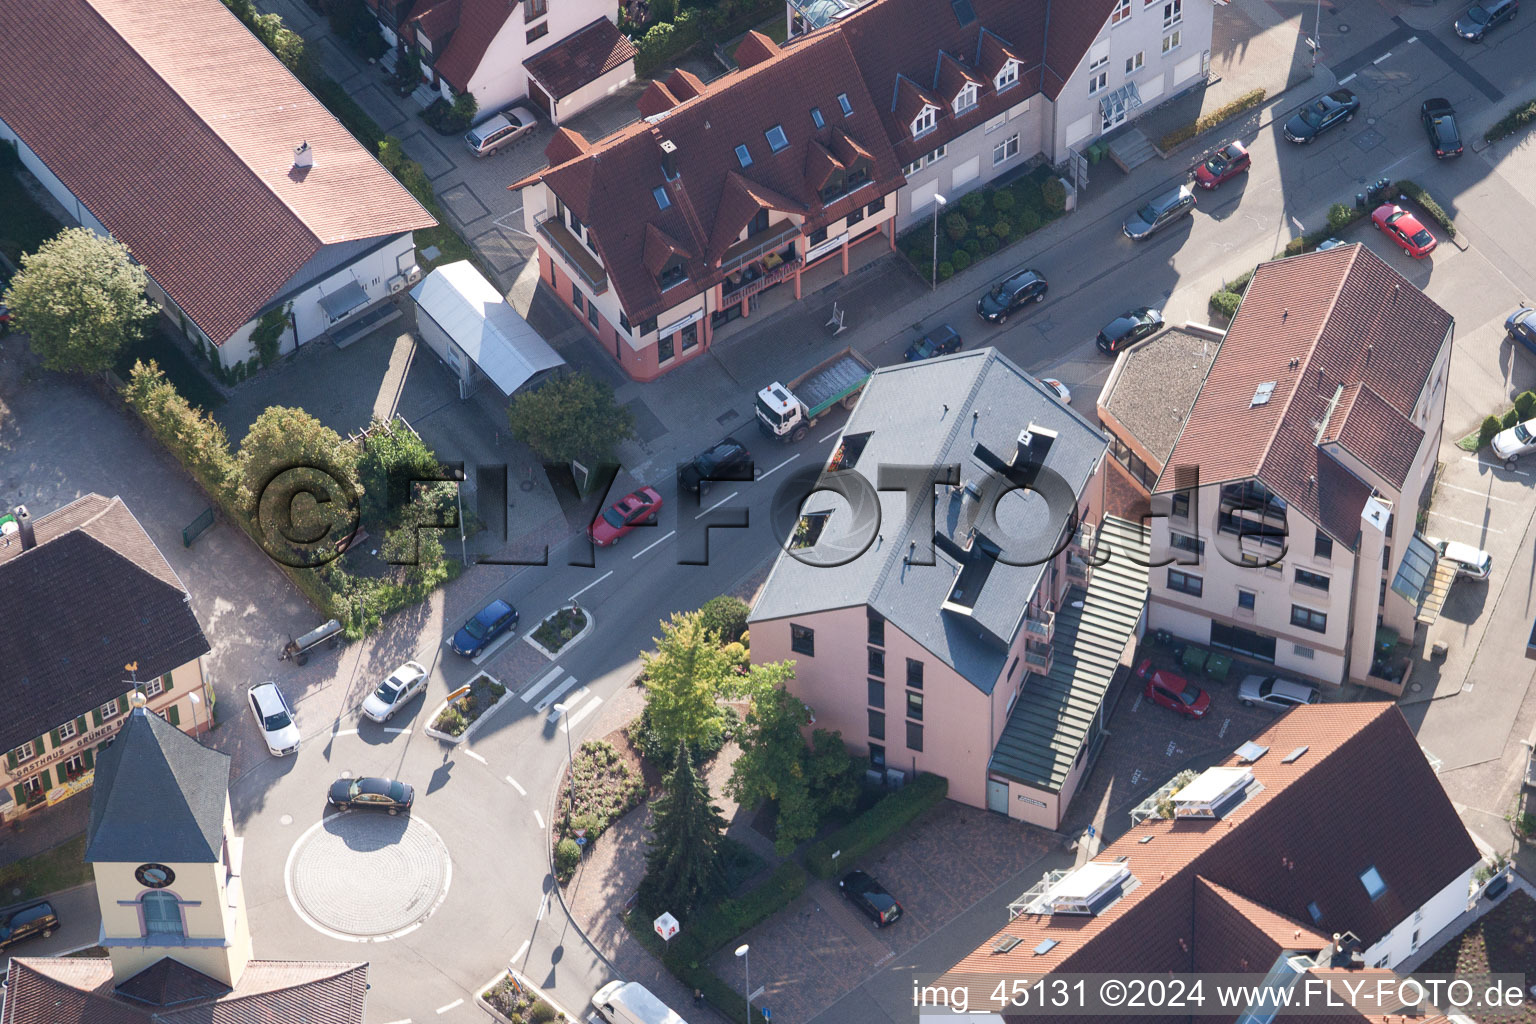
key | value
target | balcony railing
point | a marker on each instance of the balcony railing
(1037, 657)
(1078, 569)
(749, 288)
(1040, 624)
(575, 254)
(1082, 540)
(742, 253)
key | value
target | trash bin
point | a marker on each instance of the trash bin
(1359, 200)
(1096, 152)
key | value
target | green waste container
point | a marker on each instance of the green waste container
(1096, 152)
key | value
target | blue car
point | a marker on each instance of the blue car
(488, 624)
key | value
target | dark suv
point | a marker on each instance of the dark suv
(1011, 293)
(870, 897)
(728, 460)
(26, 921)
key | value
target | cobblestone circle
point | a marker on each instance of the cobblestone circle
(366, 873)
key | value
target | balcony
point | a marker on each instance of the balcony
(575, 254)
(1039, 624)
(1082, 541)
(1078, 569)
(754, 279)
(755, 248)
(1038, 656)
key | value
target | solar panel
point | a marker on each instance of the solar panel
(964, 13)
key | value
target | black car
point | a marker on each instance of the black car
(870, 897)
(26, 921)
(1479, 18)
(384, 794)
(728, 460)
(1321, 114)
(1439, 119)
(1129, 327)
(939, 342)
(1011, 293)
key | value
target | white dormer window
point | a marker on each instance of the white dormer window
(967, 98)
(925, 121)
(1008, 76)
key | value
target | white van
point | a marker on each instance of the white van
(629, 1002)
(1469, 561)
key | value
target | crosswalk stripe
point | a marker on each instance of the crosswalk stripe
(556, 694)
(544, 680)
(582, 712)
(571, 702)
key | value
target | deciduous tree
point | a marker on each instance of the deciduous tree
(298, 476)
(684, 680)
(570, 419)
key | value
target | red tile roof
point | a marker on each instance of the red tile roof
(473, 24)
(754, 48)
(685, 85)
(566, 144)
(1345, 318)
(655, 100)
(184, 150)
(581, 58)
(436, 20)
(1303, 836)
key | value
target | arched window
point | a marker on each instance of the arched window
(162, 914)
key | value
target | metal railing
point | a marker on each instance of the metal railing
(572, 252)
(1038, 658)
(1078, 569)
(749, 288)
(1040, 623)
(760, 250)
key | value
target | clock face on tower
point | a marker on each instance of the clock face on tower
(155, 876)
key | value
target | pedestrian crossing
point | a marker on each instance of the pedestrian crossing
(542, 697)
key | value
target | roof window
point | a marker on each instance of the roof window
(964, 13)
(1373, 882)
(777, 140)
(842, 101)
(816, 118)
(662, 201)
(1250, 752)
(1315, 912)
(1263, 393)
(1087, 889)
(743, 155)
(1213, 793)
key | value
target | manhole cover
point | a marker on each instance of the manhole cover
(286, 819)
(368, 876)
(1343, 29)
(1415, 687)
(1368, 139)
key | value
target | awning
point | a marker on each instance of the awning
(470, 310)
(1423, 579)
(343, 300)
(1123, 99)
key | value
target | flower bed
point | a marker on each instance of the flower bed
(1179, 136)
(559, 630)
(514, 999)
(984, 221)
(607, 787)
(454, 719)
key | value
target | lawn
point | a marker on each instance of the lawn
(62, 867)
(179, 367)
(1502, 941)
(24, 225)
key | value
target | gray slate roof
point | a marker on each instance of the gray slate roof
(159, 796)
(1157, 385)
(921, 414)
(93, 595)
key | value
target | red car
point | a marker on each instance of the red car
(1174, 692)
(1227, 162)
(1404, 229)
(624, 515)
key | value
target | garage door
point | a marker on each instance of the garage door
(1243, 641)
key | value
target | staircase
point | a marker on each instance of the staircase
(425, 95)
(1131, 150)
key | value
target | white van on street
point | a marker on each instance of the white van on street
(629, 1002)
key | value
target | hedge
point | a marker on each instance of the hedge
(1179, 136)
(893, 813)
(712, 928)
(715, 991)
(1511, 122)
(988, 219)
(1414, 191)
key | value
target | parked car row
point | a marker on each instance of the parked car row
(1170, 690)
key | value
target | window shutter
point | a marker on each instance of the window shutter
(173, 715)
(95, 716)
(167, 680)
(39, 745)
(80, 726)
(122, 704)
(56, 742)
(88, 758)
(20, 794)
(10, 759)
(44, 778)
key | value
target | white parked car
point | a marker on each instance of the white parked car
(275, 718)
(1062, 391)
(1471, 562)
(1516, 441)
(393, 693)
(500, 131)
(1274, 692)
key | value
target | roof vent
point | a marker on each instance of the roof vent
(669, 159)
(303, 156)
(1214, 791)
(1294, 755)
(1263, 393)
(24, 527)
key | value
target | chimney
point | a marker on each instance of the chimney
(24, 527)
(1034, 444)
(303, 156)
(669, 159)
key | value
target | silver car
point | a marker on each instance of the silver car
(1159, 213)
(395, 692)
(1274, 692)
(501, 130)
(1516, 441)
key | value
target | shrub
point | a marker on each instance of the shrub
(1491, 426)
(972, 246)
(1341, 216)
(980, 231)
(1002, 200)
(973, 203)
(567, 856)
(451, 721)
(1225, 303)
(955, 226)
(195, 438)
(717, 925)
(946, 270)
(990, 245)
(1183, 134)
(1511, 122)
(961, 260)
(893, 813)
(727, 616)
(917, 255)
(1413, 191)
(1029, 221)
(541, 1012)
(1054, 194)
(1510, 418)
(1002, 229)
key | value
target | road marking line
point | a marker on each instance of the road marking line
(544, 680)
(345, 732)
(1493, 465)
(717, 504)
(585, 710)
(395, 729)
(474, 755)
(550, 698)
(540, 819)
(543, 906)
(520, 790)
(1346, 79)
(1383, 57)
(520, 951)
(555, 716)
(830, 436)
(780, 466)
(589, 586)
(1464, 522)
(1413, 39)
(652, 544)
(450, 1006)
(405, 1020)
(1480, 494)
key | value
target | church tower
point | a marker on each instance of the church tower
(167, 862)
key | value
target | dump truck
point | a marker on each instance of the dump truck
(789, 411)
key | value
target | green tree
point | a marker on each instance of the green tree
(570, 419)
(298, 477)
(190, 434)
(772, 765)
(464, 109)
(727, 616)
(682, 867)
(684, 680)
(81, 299)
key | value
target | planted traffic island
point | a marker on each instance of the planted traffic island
(514, 999)
(559, 630)
(454, 719)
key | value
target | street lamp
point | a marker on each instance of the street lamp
(1317, 32)
(939, 202)
(746, 960)
(196, 700)
(565, 718)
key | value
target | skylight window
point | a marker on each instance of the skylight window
(662, 200)
(964, 13)
(1263, 393)
(1372, 880)
(777, 140)
(1046, 945)
(816, 118)
(743, 155)
(1315, 912)
(842, 101)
